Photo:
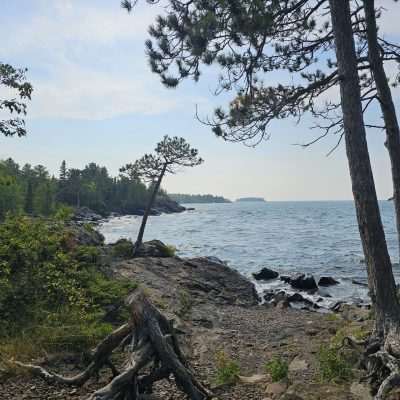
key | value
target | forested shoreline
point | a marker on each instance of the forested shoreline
(197, 198)
(34, 191)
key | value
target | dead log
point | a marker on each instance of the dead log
(153, 354)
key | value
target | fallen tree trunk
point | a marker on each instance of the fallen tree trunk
(153, 355)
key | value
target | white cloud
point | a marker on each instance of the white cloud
(86, 61)
(78, 92)
(57, 24)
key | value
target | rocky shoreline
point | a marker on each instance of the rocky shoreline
(219, 310)
(163, 206)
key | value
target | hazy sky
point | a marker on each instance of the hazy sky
(95, 99)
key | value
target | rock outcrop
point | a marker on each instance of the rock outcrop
(327, 281)
(301, 282)
(265, 274)
(202, 279)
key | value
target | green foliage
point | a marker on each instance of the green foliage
(32, 190)
(13, 81)
(277, 368)
(333, 365)
(52, 289)
(123, 248)
(64, 213)
(228, 370)
(170, 250)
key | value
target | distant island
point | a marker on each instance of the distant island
(251, 199)
(197, 198)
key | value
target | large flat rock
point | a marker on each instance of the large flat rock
(204, 279)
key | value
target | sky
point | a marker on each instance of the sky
(96, 100)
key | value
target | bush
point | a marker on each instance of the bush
(277, 368)
(123, 248)
(169, 250)
(333, 366)
(53, 292)
(64, 213)
(228, 370)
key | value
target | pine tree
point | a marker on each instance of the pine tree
(29, 198)
(169, 154)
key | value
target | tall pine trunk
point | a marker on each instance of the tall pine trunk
(386, 103)
(379, 268)
(146, 214)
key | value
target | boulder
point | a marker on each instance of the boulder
(327, 281)
(297, 297)
(301, 282)
(153, 248)
(265, 274)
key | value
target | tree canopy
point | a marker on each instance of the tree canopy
(248, 39)
(14, 81)
(32, 190)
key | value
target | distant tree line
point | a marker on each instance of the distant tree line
(32, 190)
(197, 198)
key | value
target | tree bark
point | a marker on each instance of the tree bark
(379, 268)
(148, 209)
(386, 103)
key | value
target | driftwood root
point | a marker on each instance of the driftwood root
(153, 354)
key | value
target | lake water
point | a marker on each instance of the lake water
(319, 238)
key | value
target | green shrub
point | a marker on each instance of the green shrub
(169, 250)
(53, 292)
(333, 365)
(123, 248)
(64, 213)
(228, 370)
(277, 368)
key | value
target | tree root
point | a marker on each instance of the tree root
(392, 381)
(383, 368)
(151, 341)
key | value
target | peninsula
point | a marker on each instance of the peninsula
(251, 199)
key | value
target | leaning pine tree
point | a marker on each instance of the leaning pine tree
(248, 39)
(169, 155)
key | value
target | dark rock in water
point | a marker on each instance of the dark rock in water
(285, 278)
(304, 283)
(268, 296)
(153, 248)
(301, 282)
(275, 297)
(327, 281)
(265, 274)
(296, 297)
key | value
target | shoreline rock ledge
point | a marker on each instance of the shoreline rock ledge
(203, 279)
